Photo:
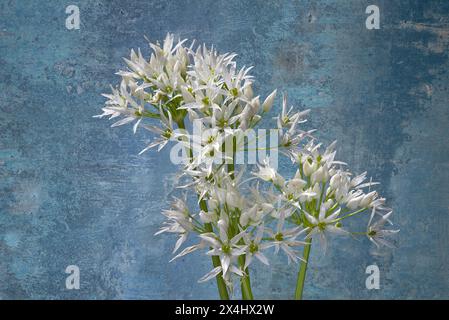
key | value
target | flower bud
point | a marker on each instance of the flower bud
(278, 180)
(212, 204)
(333, 183)
(268, 103)
(354, 203)
(367, 199)
(248, 91)
(297, 175)
(186, 95)
(308, 167)
(296, 184)
(223, 229)
(318, 175)
(328, 204)
(255, 105)
(232, 200)
(267, 207)
(317, 190)
(256, 119)
(207, 217)
(244, 219)
(177, 67)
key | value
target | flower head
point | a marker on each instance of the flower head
(180, 83)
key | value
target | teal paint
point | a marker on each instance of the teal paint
(74, 191)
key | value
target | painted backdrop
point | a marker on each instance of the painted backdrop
(74, 191)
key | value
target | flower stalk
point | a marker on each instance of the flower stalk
(302, 270)
(221, 285)
(245, 282)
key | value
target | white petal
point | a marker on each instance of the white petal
(181, 240)
(311, 218)
(236, 270)
(333, 216)
(210, 275)
(268, 103)
(225, 262)
(136, 125)
(336, 230)
(262, 258)
(322, 214)
(186, 251)
(237, 237)
(210, 239)
(123, 121)
(248, 259)
(323, 242)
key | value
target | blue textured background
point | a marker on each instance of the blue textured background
(74, 191)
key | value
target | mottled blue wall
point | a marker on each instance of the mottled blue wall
(74, 191)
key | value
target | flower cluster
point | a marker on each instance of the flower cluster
(238, 218)
(322, 193)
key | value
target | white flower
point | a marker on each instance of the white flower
(179, 221)
(311, 193)
(354, 200)
(268, 173)
(178, 83)
(268, 103)
(226, 249)
(309, 167)
(166, 132)
(320, 175)
(253, 215)
(120, 103)
(368, 199)
(294, 189)
(377, 234)
(287, 119)
(285, 239)
(208, 216)
(323, 224)
(254, 246)
(204, 182)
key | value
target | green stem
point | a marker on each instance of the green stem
(245, 283)
(350, 215)
(302, 270)
(221, 285)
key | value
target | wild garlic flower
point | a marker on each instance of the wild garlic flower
(322, 195)
(226, 249)
(179, 220)
(377, 234)
(268, 173)
(254, 246)
(231, 218)
(324, 224)
(285, 239)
